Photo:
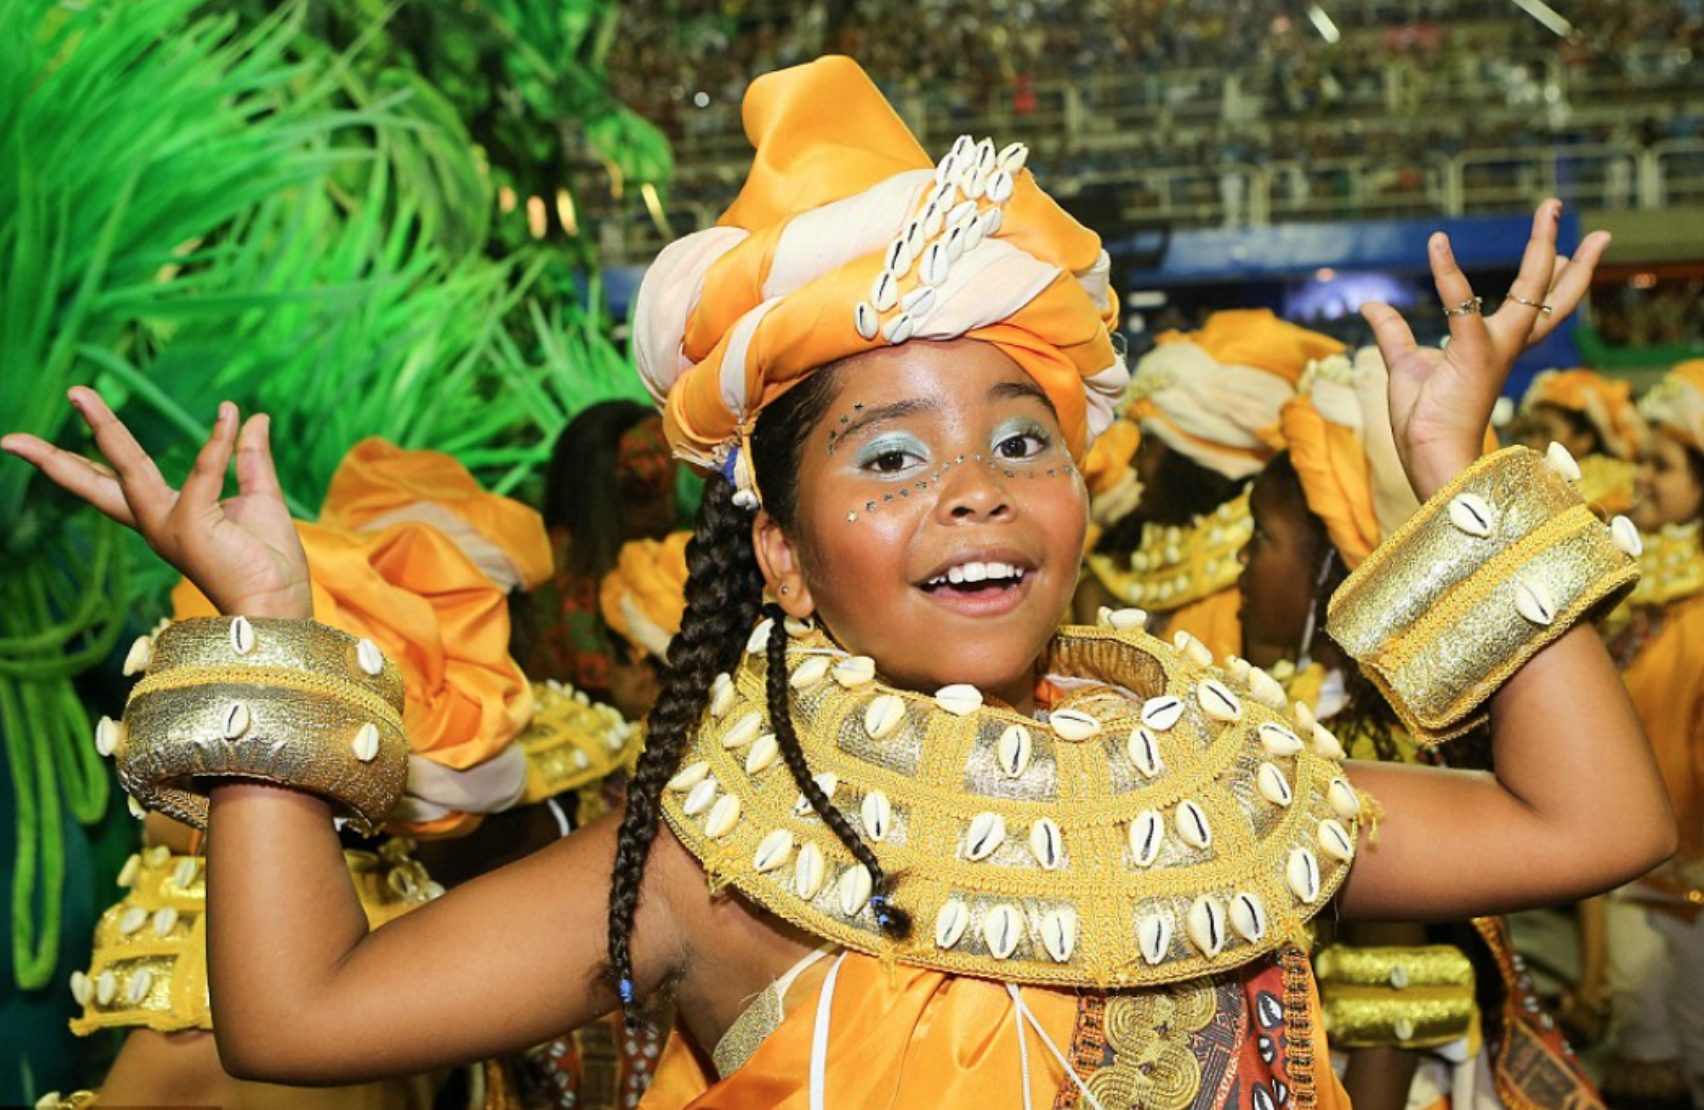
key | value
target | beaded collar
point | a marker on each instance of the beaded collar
(1162, 824)
(1671, 565)
(1176, 565)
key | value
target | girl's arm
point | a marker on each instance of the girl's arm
(1576, 804)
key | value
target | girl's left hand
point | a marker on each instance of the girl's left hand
(1441, 399)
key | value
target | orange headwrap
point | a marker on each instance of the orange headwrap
(644, 597)
(1606, 402)
(1676, 404)
(396, 571)
(846, 238)
(1214, 394)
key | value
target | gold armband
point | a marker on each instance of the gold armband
(1489, 572)
(289, 702)
(1419, 997)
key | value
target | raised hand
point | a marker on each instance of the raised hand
(242, 552)
(1440, 400)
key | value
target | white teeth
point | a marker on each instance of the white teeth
(1047, 843)
(987, 831)
(1163, 712)
(950, 923)
(1266, 690)
(1144, 749)
(699, 797)
(134, 918)
(856, 887)
(140, 655)
(1278, 740)
(1533, 601)
(1336, 841)
(1154, 935)
(1248, 917)
(877, 813)
(1147, 833)
(1561, 460)
(1014, 750)
(1302, 874)
(884, 716)
(763, 754)
(1273, 786)
(1343, 800)
(1192, 825)
(955, 574)
(809, 673)
(959, 699)
(1471, 514)
(1001, 929)
(140, 980)
(866, 320)
(1059, 933)
(809, 871)
(108, 733)
(1325, 742)
(827, 781)
(772, 851)
(690, 776)
(1627, 537)
(975, 572)
(366, 742)
(369, 658)
(759, 639)
(722, 817)
(854, 671)
(1218, 702)
(1073, 724)
(721, 696)
(237, 720)
(745, 730)
(1206, 926)
(242, 636)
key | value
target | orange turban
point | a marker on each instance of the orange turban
(1214, 394)
(846, 238)
(388, 563)
(1606, 403)
(644, 597)
(1676, 404)
(1337, 430)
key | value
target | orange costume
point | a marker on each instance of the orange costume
(1607, 405)
(1108, 952)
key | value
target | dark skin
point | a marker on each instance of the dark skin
(303, 993)
(1547, 424)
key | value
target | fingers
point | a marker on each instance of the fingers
(1468, 335)
(1513, 323)
(74, 474)
(206, 481)
(147, 493)
(1390, 331)
(256, 474)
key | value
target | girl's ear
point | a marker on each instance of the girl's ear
(778, 558)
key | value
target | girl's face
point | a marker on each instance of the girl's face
(1550, 424)
(1281, 564)
(1668, 491)
(940, 521)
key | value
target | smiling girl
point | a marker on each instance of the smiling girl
(895, 838)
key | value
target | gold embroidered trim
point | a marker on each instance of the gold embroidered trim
(965, 826)
(1435, 615)
(1411, 997)
(1671, 567)
(572, 742)
(1178, 565)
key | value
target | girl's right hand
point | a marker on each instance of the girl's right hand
(242, 552)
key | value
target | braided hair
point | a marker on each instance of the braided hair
(724, 597)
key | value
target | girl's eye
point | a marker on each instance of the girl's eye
(891, 456)
(888, 462)
(1021, 445)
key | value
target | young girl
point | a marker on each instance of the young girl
(1036, 865)
(1594, 417)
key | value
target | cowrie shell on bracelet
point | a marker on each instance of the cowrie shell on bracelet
(237, 720)
(366, 742)
(877, 814)
(1533, 601)
(1002, 929)
(987, 832)
(1059, 933)
(369, 658)
(856, 886)
(1471, 514)
(950, 923)
(141, 654)
(689, 776)
(723, 815)
(809, 673)
(108, 734)
(242, 635)
(1562, 461)
(1147, 833)
(1073, 725)
(1154, 936)
(1206, 926)
(866, 320)
(772, 851)
(1627, 537)
(883, 716)
(1014, 750)
(959, 699)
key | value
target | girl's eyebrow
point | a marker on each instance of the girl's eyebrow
(883, 413)
(1007, 390)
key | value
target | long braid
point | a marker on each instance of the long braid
(893, 921)
(723, 593)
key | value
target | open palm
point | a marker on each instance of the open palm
(242, 551)
(1441, 399)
